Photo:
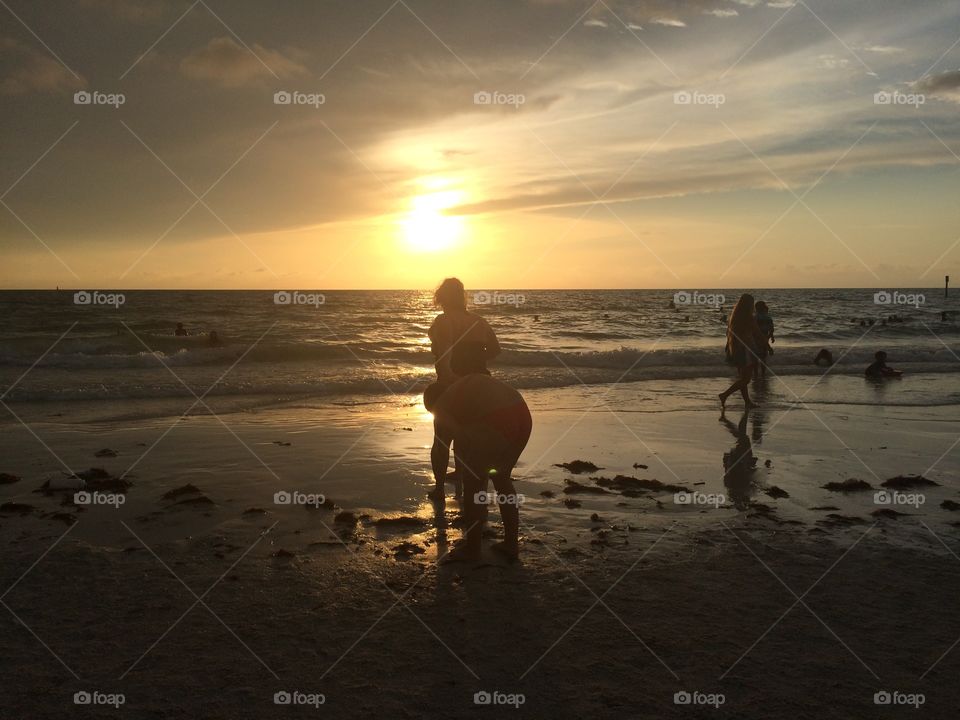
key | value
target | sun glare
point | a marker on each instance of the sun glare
(427, 228)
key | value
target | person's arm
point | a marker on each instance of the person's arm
(493, 345)
(434, 334)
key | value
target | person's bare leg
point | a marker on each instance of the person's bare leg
(474, 513)
(509, 513)
(745, 375)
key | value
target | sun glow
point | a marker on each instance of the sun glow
(427, 227)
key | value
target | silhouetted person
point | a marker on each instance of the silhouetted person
(743, 339)
(180, 331)
(765, 323)
(458, 328)
(824, 357)
(879, 368)
(213, 338)
(489, 424)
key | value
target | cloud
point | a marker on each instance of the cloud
(882, 49)
(945, 85)
(137, 11)
(721, 12)
(226, 62)
(33, 71)
(668, 22)
(594, 22)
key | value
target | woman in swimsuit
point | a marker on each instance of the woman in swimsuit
(458, 330)
(743, 339)
(490, 424)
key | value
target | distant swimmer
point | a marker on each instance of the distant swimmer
(824, 357)
(879, 368)
(180, 331)
(536, 318)
(213, 338)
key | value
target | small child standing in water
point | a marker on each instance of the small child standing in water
(765, 323)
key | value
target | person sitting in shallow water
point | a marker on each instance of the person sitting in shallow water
(180, 331)
(824, 357)
(488, 422)
(879, 368)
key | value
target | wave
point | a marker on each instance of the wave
(114, 352)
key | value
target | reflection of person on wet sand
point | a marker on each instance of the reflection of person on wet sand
(489, 423)
(739, 463)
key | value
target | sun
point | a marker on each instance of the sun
(427, 227)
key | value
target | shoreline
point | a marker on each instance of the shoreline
(303, 587)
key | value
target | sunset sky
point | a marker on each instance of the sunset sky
(784, 169)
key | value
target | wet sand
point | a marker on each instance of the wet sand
(623, 598)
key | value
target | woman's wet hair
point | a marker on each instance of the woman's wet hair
(451, 295)
(432, 394)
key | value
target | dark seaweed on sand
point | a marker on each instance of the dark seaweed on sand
(625, 484)
(572, 487)
(578, 467)
(905, 482)
(848, 485)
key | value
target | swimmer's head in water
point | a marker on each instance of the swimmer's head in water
(431, 395)
(451, 295)
(880, 355)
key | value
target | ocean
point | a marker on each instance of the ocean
(351, 347)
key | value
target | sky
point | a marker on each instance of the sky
(513, 143)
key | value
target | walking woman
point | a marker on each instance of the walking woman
(743, 341)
